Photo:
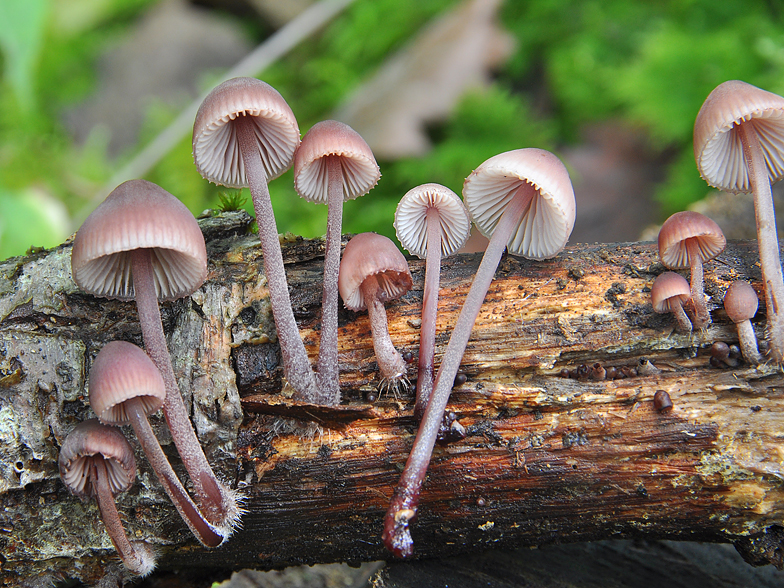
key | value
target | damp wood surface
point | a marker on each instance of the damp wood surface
(547, 458)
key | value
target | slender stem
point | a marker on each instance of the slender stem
(219, 506)
(684, 324)
(427, 332)
(328, 367)
(390, 362)
(296, 365)
(397, 536)
(767, 240)
(701, 314)
(134, 560)
(203, 531)
(748, 343)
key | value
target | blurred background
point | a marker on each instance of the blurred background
(435, 87)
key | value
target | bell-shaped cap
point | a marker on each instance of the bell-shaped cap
(139, 215)
(548, 220)
(682, 227)
(369, 255)
(411, 219)
(740, 301)
(91, 440)
(668, 288)
(216, 148)
(122, 371)
(331, 138)
(717, 146)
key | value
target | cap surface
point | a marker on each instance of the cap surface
(411, 219)
(216, 149)
(122, 371)
(666, 288)
(548, 220)
(91, 440)
(139, 215)
(370, 254)
(331, 138)
(717, 146)
(682, 227)
(740, 301)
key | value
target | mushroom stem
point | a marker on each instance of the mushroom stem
(296, 365)
(747, 340)
(427, 333)
(684, 324)
(767, 239)
(397, 535)
(701, 314)
(390, 362)
(138, 561)
(219, 505)
(328, 370)
(203, 531)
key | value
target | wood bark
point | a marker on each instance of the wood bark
(546, 459)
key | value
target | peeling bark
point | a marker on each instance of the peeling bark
(546, 459)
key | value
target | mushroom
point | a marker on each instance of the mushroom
(430, 214)
(739, 147)
(97, 461)
(373, 271)
(143, 244)
(669, 292)
(332, 164)
(244, 136)
(687, 240)
(524, 201)
(125, 387)
(740, 304)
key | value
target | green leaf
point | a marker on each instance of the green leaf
(22, 24)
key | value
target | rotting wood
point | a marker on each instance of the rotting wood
(546, 459)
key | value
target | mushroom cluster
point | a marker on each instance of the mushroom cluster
(143, 244)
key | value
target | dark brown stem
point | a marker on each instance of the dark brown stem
(328, 370)
(396, 535)
(767, 239)
(296, 365)
(427, 333)
(136, 560)
(203, 531)
(219, 505)
(701, 315)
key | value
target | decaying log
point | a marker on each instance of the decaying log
(546, 459)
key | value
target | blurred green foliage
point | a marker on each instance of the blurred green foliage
(647, 64)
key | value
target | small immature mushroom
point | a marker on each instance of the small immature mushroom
(143, 244)
(739, 147)
(332, 164)
(373, 272)
(524, 201)
(430, 214)
(662, 401)
(125, 387)
(244, 136)
(669, 292)
(687, 240)
(97, 461)
(740, 304)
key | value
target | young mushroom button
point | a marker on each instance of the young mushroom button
(430, 221)
(523, 201)
(97, 461)
(687, 240)
(372, 272)
(740, 304)
(125, 387)
(245, 135)
(669, 292)
(739, 147)
(332, 164)
(142, 243)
